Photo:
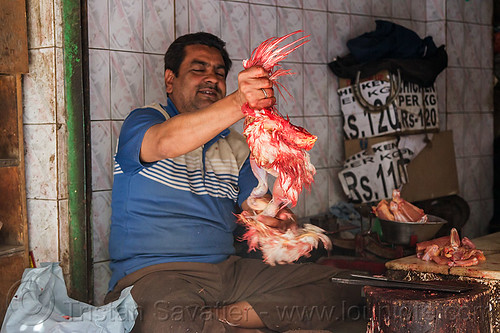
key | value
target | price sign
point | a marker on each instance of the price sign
(372, 177)
(413, 110)
(418, 107)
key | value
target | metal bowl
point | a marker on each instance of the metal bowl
(409, 233)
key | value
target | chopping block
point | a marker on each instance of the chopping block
(486, 273)
(408, 310)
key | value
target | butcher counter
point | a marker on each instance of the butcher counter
(488, 273)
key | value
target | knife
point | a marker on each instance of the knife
(375, 281)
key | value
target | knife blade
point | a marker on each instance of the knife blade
(376, 281)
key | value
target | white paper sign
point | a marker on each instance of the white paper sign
(404, 114)
(369, 177)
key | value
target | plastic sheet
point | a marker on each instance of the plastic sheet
(41, 304)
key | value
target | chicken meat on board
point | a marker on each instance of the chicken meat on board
(278, 148)
(451, 251)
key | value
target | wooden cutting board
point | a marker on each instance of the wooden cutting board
(490, 269)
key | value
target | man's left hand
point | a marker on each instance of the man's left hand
(284, 220)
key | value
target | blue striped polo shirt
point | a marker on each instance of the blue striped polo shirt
(177, 209)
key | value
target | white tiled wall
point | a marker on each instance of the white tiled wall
(128, 38)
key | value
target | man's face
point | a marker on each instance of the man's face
(201, 80)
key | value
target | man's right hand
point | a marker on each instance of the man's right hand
(251, 83)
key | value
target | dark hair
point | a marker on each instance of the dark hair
(176, 54)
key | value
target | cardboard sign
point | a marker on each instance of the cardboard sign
(413, 110)
(432, 172)
(371, 176)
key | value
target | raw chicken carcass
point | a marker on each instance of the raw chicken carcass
(278, 148)
(450, 250)
(399, 210)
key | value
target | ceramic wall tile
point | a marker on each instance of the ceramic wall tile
(455, 43)
(316, 202)
(472, 38)
(263, 24)
(336, 154)
(204, 15)
(419, 28)
(487, 90)
(418, 10)
(62, 161)
(43, 227)
(39, 88)
(435, 10)
(315, 24)
(290, 3)
(289, 20)
(401, 9)
(154, 79)
(456, 123)
(360, 25)
(486, 12)
(264, 2)
(101, 221)
(101, 158)
(486, 49)
(315, 90)
(382, 8)
(98, 26)
(126, 25)
(333, 97)
(335, 192)
(99, 85)
(115, 134)
(234, 21)
(455, 91)
(487, 134)
(181, 17)
(455, 11)
(339, 27)
(361, 7)
(102, 275)
(159, 25)
(472, 89)
(437, 30)
(316, 4)
(319, 153)
(64, 246)
(472, 10)
(339, 6)
(471, 179)
(40, 20)
(41, 161)
(127, 84)
(486, 182)
(232, 77)
(292, 105)
(472, 134)
(61, 113)
(441, 98)
(472, 228)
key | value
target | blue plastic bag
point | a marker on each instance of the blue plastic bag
(41, 304)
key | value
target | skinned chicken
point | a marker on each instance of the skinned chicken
(278, 148)
(399, 210)
(451, 251)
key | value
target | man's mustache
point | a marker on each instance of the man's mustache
(210, 86)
